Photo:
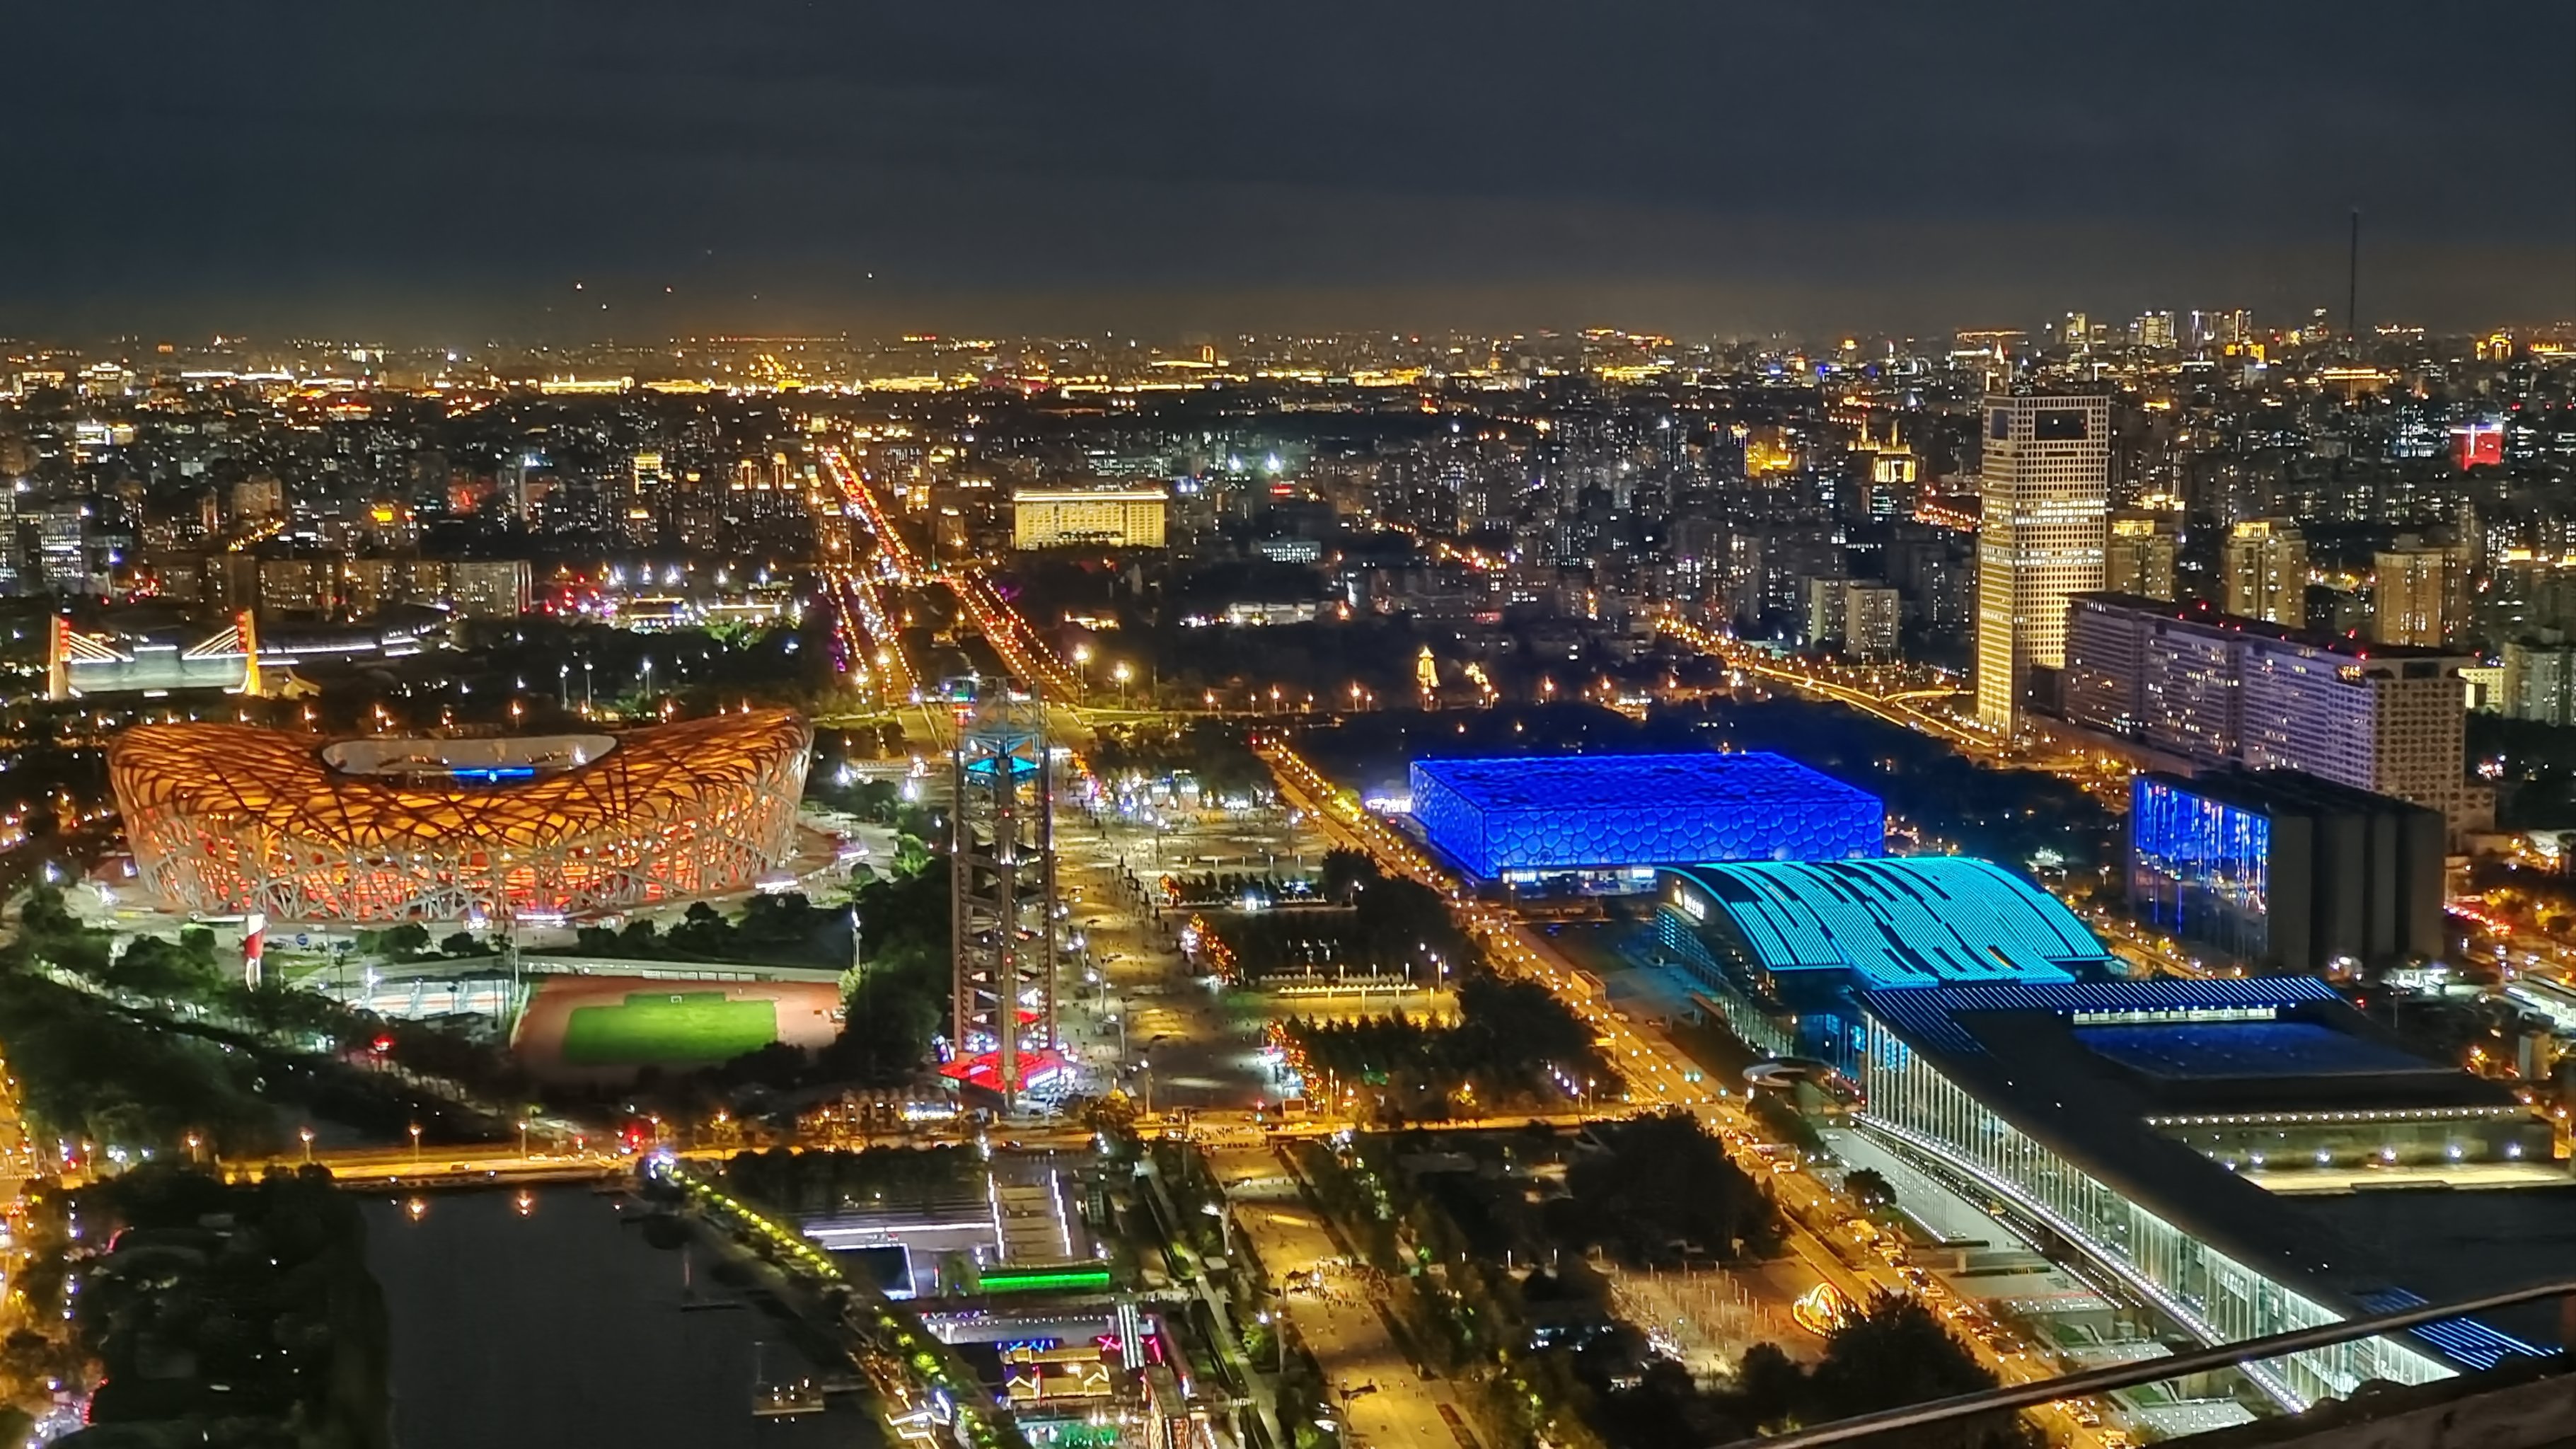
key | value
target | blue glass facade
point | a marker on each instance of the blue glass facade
(2200, 868)
(1498, 817)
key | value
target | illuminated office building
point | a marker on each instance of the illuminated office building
(2140, 556)
(2219, 689)
(2264, 567)
(2285, 872)
(1099, 518)
(2044, 489)
(2539, 682)
(2419, 593)
(1867, 619)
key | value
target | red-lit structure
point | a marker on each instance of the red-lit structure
(2478, 443)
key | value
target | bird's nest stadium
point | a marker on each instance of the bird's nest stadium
(229, 819)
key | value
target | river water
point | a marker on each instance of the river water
(561, 1326)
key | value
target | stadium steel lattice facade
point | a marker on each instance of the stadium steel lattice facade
(227, 818)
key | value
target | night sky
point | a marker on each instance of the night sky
(452, 170)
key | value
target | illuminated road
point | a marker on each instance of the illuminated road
(863, 594)
(1027, 655)
(18, 1158)
(1022, 651)
(1897, 709)
(2106, 780)
(890, 542)
(1659, 1074)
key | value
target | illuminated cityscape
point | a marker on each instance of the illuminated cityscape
(1269, 730)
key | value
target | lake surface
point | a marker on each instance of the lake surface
(563, 1327)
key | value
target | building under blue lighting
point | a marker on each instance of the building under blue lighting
(2286, 872)
(2151, 1130)
(1530, 817)
(1917, 920)
(2158, 1129)
(1781, 947)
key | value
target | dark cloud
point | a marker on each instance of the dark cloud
(1683, 163)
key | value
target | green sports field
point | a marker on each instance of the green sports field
(671, 1028)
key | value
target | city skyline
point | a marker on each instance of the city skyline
(1671, 167)
(1200, 727)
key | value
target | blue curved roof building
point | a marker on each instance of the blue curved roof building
(1899, 921)
(2152, 1129)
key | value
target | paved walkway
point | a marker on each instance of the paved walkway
(1341, 1321)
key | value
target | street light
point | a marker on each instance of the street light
(1278, 1341)
(415, 1144)
(307, 1135)
(1122, 673)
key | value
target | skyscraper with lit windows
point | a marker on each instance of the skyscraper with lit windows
(2044, 497)
(2264, 564)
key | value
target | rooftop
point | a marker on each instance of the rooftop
(1703, 781)
(2082, 1067)
(2240, 1049)
(2274, 792)
(1898, 921)
(2199, 612)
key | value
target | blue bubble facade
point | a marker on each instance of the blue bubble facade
(1611, 812)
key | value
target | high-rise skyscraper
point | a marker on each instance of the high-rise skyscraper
(2420, 594)
(639, 512)
(2044, 498)
(2265, 568)
(2140, 560)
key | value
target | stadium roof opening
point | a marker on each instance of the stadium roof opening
(1899, 921)
(1609, 812)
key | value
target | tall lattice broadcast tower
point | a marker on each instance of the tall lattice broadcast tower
(1002, 898)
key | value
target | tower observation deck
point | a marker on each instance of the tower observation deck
(1002, 899)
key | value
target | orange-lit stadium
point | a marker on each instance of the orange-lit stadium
(227, 819)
